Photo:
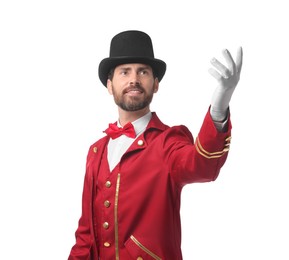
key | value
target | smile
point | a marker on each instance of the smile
(134, 91)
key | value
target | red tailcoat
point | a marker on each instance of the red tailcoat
(133, 212)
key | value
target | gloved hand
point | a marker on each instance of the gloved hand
(228, 79)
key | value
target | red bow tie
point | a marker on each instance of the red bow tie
(114, 131)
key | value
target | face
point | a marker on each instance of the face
(133, 86)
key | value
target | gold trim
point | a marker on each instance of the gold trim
(228, 138)
(144, 248)
(207, 154)
(115, 217)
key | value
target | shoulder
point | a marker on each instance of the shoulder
(165, 132)
(178, 133)
(97, 147)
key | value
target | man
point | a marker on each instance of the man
(135, 174)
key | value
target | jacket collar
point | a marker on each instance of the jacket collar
(154, 127)
(156, 123)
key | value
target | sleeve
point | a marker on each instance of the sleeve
(84, 244)
(221, 126)
(198, 161)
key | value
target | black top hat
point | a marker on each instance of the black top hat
(131, 47)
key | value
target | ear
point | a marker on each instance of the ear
(156, 85)
(109, 86)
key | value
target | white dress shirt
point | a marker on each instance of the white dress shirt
(117, 147)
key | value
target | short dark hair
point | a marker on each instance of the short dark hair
(110, 74)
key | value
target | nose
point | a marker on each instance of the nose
(134, 79)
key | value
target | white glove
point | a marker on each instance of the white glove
(228, 79)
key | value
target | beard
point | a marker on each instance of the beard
(133, 103)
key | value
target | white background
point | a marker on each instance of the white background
(53, 106)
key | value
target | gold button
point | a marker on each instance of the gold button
(139, 258)
(106, 244)
(140, 143)
(106, 203)
(108, 184)
(94, 149)
(105, 225)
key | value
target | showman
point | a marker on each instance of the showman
(136, 172)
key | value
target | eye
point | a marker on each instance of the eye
(144, 72)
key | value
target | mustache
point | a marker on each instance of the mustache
(136, 87)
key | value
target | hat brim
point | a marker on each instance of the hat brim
(158, 66)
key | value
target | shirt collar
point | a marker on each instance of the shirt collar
(141, 123)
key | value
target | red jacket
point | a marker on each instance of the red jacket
(133, 211)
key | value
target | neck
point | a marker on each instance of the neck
(130, 116)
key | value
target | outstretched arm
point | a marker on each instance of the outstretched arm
(228, 78)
